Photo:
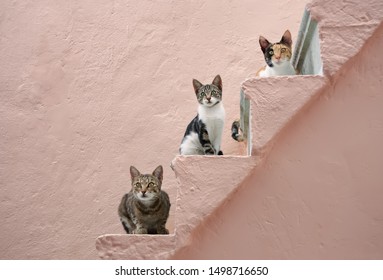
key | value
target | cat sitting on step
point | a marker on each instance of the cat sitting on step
(278, 63)
(145, 209)
(204, 133)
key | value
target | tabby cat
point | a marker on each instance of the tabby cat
(204, 133)
(145, 209)
(277, 57)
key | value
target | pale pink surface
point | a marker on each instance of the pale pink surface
(124, 246)
(198, 196)
(317, 189)
(274, 106)
(91, 87)
(318, 194)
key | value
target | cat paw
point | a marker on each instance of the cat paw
(162, 231)
(238, 137)
(140, 231)
(210, 152)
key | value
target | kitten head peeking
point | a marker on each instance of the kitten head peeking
(278, 53)
(277, 57)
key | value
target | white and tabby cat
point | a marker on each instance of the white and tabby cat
(204, 133)
(277, 58)
(145, 209)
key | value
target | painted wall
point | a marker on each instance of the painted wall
(318, 194)
(89, 88)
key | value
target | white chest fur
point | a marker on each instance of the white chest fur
(284, 69)
(214, 119)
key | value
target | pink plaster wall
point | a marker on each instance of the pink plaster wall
(318, 194)
(336, 215)
(89, 88)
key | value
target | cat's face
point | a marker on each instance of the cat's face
(278, 53)
(146, 187)
(209, 95)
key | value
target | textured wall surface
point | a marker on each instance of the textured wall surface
(318, 194)
(197, 197)
(315, 190)
(89, 88)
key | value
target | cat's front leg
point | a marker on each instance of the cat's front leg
(207, 146)
(140, 230)
(127, 224)
(208, 149)
(162, 230)
(127, 229)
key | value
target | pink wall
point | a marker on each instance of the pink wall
(213, 219)
(318, 194)
(91, 87)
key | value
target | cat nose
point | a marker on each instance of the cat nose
(277, 57)
(208, 98)
(143, 191)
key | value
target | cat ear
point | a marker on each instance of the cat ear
(264, 43)
(218, 82)
(197, 85)
(134, 172)
(286, 38)
(159, 172)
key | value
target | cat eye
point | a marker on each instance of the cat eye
(213, 92)
(138, 185)
(271, 52)
(151, 185)
(283, 50)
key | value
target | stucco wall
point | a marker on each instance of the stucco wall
(318, 194)
(89, 88)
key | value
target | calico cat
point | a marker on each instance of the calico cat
(277, 57)
(145, 209)
(204, 133)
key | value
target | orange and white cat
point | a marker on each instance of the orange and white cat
(277, 57)
(278, 63)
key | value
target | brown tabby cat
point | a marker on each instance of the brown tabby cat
(145, 209)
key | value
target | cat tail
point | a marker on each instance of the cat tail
(236, 131)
